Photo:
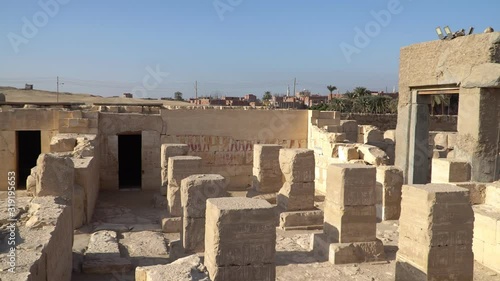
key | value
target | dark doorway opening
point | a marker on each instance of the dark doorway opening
(29, 147)
(129, 161)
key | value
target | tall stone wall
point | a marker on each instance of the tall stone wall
(224, 139)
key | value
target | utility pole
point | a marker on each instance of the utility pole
(294, 85)
(196, 89)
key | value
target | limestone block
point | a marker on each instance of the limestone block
(196, 189)
(329, 115)
(78, 206)
(350, 128)
(388, 192)
(267, 181)
(492, 194)
(55, 176)
(145, 247)
(296, 196)
(297, 165)
(433, 243)
(264, 272)
(452, 140)
(373, 155)
(486, 219)
(62, 143)
(301, 220)
(350, 223)
(239, 232)
(450, 170)
(170, 150)
(184, 269)
(326, 122)
(266, 156)
(333, 129)
(390, 136)
(373, 136)
(351, 185)
(441, 140)
(347, 153)
(477, 191)
(171, 225)
(193, 234)
(179, 167)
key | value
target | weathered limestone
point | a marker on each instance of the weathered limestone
(55, 176)
(297, 192)
(169, 150)
(450, 170)
(267, 177)
(477, 191)
(372, 155)
(145, 247)
(350, 217)
(184, 269)
(348, 153)
(388, 192)
(179, 167)
(195, 190)
(435, 238)
(240, 239)
(103, 255)
(44, 236)
(486, 241)
(350, 129)
(301, 220)
(63, 143)
(369, 134)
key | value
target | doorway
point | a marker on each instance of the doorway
(129, 161)
(29, 147)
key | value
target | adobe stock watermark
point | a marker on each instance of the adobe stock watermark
(224, 6)
(12, 220)
(373, 28)
(48, 9)
(150, 81)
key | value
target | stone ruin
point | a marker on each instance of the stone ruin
(156, 193)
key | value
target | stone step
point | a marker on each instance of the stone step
(103, 254)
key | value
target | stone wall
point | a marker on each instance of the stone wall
(224, 139)
(388, 121)
(45, 224)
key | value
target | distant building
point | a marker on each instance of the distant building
(128, 95)
(28, 86)
(314, 100)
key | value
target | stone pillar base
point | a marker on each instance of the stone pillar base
(301, 220)
(343, 253)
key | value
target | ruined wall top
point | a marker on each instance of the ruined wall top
(445, 62)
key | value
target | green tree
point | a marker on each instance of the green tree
(442, 100)
(178, 96)
(361, 92)
(331, 88)
(267, 96)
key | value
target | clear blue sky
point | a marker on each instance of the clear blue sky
(105, 46)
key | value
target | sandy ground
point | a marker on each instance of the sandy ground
(293, 259)
(20, 95)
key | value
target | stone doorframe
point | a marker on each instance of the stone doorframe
(415, 140)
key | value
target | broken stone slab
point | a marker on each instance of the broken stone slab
(345, 253)
(477, 191)
(55, 176)
(103, 254)
(388, 192)
(188, 268)
(348, 153)
(373, 155)
(301, 220)
(297, 165)
(350, 128)
(63, 143)
(145, 247)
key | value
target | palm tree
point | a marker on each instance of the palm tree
(360, 92)
(267, 96)
(331, 88)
